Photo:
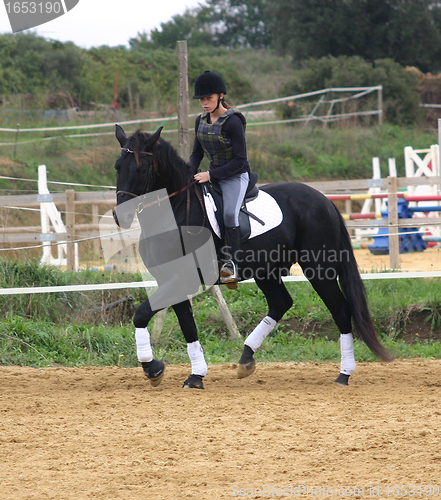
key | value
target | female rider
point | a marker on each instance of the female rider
(220, 134)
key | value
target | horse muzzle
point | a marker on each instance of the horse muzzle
(115, 217)
(124, 221)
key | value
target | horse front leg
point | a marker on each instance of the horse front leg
(153, 368)
(171, 290)
(195, 352)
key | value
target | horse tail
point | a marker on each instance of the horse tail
(355, 292)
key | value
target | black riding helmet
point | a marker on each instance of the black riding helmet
(208, 83)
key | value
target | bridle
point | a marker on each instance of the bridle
(147, 177)
(159, 200)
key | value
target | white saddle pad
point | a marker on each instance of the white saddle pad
(264, 207)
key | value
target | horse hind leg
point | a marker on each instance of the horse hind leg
(347, 363)
(333, 298)
(279, 301)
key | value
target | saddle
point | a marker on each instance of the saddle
(244, 215)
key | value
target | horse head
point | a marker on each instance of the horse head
(135, 172)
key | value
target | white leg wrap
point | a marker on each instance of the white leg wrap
(347, 365)
(259, 334)
(143, 347)
(196, 355)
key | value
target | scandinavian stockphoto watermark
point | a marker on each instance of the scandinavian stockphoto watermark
(26, 14)
(308, 491)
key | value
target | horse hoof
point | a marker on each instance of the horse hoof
(232, 285)
(246, 369)
(194, 382)
(154, 371)
(342, 380)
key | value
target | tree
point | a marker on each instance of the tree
(408, 31)
(220, 23)
(30, 64)
(188, 26)
(238, 23)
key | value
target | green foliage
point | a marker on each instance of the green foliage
(400, 94)
(407, 31)
(30, 343)
(188, 26)
(61, 307)
(219, 23)
(35, 68)
(342, 152)
(32, 64)
(237, 23)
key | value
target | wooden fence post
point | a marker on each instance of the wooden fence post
(70, 227)
(226, 314)
(380, 105)
(392, 204)
(96, 220)
(183, 106)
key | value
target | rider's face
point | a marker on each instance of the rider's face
(210, 102)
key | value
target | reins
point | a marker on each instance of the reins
(158, 200)
(185, 188)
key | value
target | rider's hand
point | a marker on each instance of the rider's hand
(202, 177)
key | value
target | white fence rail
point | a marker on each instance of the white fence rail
(42, 236)
(323, 101)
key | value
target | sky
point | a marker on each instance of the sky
(92, 23)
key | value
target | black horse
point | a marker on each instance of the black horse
(311, 233)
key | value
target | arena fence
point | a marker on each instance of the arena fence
(72, 204)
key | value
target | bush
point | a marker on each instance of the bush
(400, 94)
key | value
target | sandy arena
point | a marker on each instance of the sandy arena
(285, 432)
(105, 433)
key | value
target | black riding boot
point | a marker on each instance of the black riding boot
(229, 272)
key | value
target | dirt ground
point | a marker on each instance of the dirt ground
(105, 433)
(429, 260)
(285, 432)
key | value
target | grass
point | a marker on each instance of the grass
(276, 153)
(61, 328)
(283, 153)
(40, 344)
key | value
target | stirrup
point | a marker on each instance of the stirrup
(228, 272)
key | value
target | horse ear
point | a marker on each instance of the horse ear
(154, 138)
(120, 135)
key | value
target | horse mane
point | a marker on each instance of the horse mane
(168, 165)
